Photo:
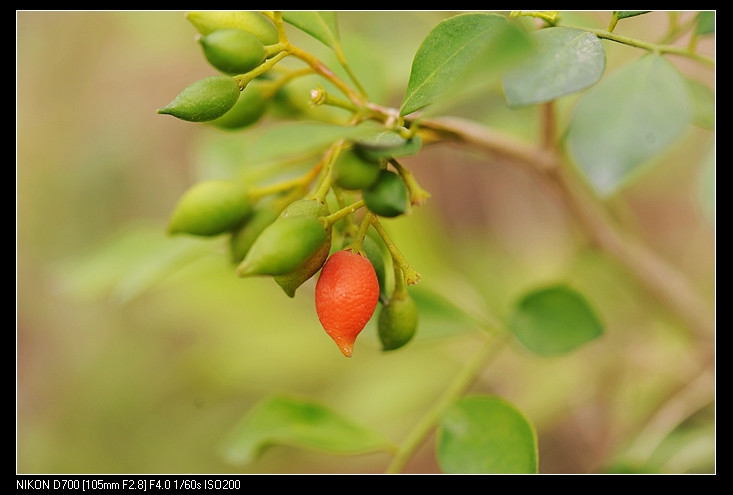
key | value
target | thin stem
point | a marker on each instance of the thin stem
(356, 245)
(462, 381)
(328, 158)
(324, 71)
(417, 194)
(277, 18)
(295, 183)
(345, 64)
(320, 96)
(244, 79)
(411, 275)
(652, 47)
(550, 17)
(342, 213)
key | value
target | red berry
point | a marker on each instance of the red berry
(347, 293)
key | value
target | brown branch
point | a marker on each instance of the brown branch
(662, 280)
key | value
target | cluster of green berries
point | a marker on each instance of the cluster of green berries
(290, 235)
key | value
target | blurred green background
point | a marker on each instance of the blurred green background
(137, 353)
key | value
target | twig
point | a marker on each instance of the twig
(662, 280)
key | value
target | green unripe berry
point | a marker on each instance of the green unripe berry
(243, 237)
(305, 207)
(210, 208)
(204, 100)
(376, 254)
(233, 51)
(387, 197)
(249, 108)
(291, 281)
(398, 321)
(255, 23)
(351, 171)
(283, 246)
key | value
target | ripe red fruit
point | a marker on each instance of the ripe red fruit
(347, 293)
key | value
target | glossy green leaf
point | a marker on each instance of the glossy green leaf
(321, 25)
(567, 60)
(486, 435)
(450, 47)
(703, 104)
(627, 119)
(705, 22)
(554, 320)
(299, 423)
(510, 45)
(623, 14)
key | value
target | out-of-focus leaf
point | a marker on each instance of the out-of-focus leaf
(480, 42)
(554, 320)
(567, 60)
(623, 14)
(129, 263)
(321, 25)
(703, 104)
(486, 435)
(296, 422)
(625, 120)
(286, 141)
(705, 22)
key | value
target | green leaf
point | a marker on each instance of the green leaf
(705, 22)
(703, 104)
(450, 48)
(625, 120)
(299, 423)
(623, 14)
(554, 320)
(130, 262)
(321, 25)
(486, 435)
(567, 60)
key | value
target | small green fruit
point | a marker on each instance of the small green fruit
(207, 22)
(243, 237)
(210, 208)
(351, 171)
(249, 108)
(233, 51)
(387, 197)
(398, 320)
(284, 246)
(204, 100)
(377, 255)
(290, 282)
(305, 207)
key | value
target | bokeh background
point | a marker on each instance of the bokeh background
(137, 353)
